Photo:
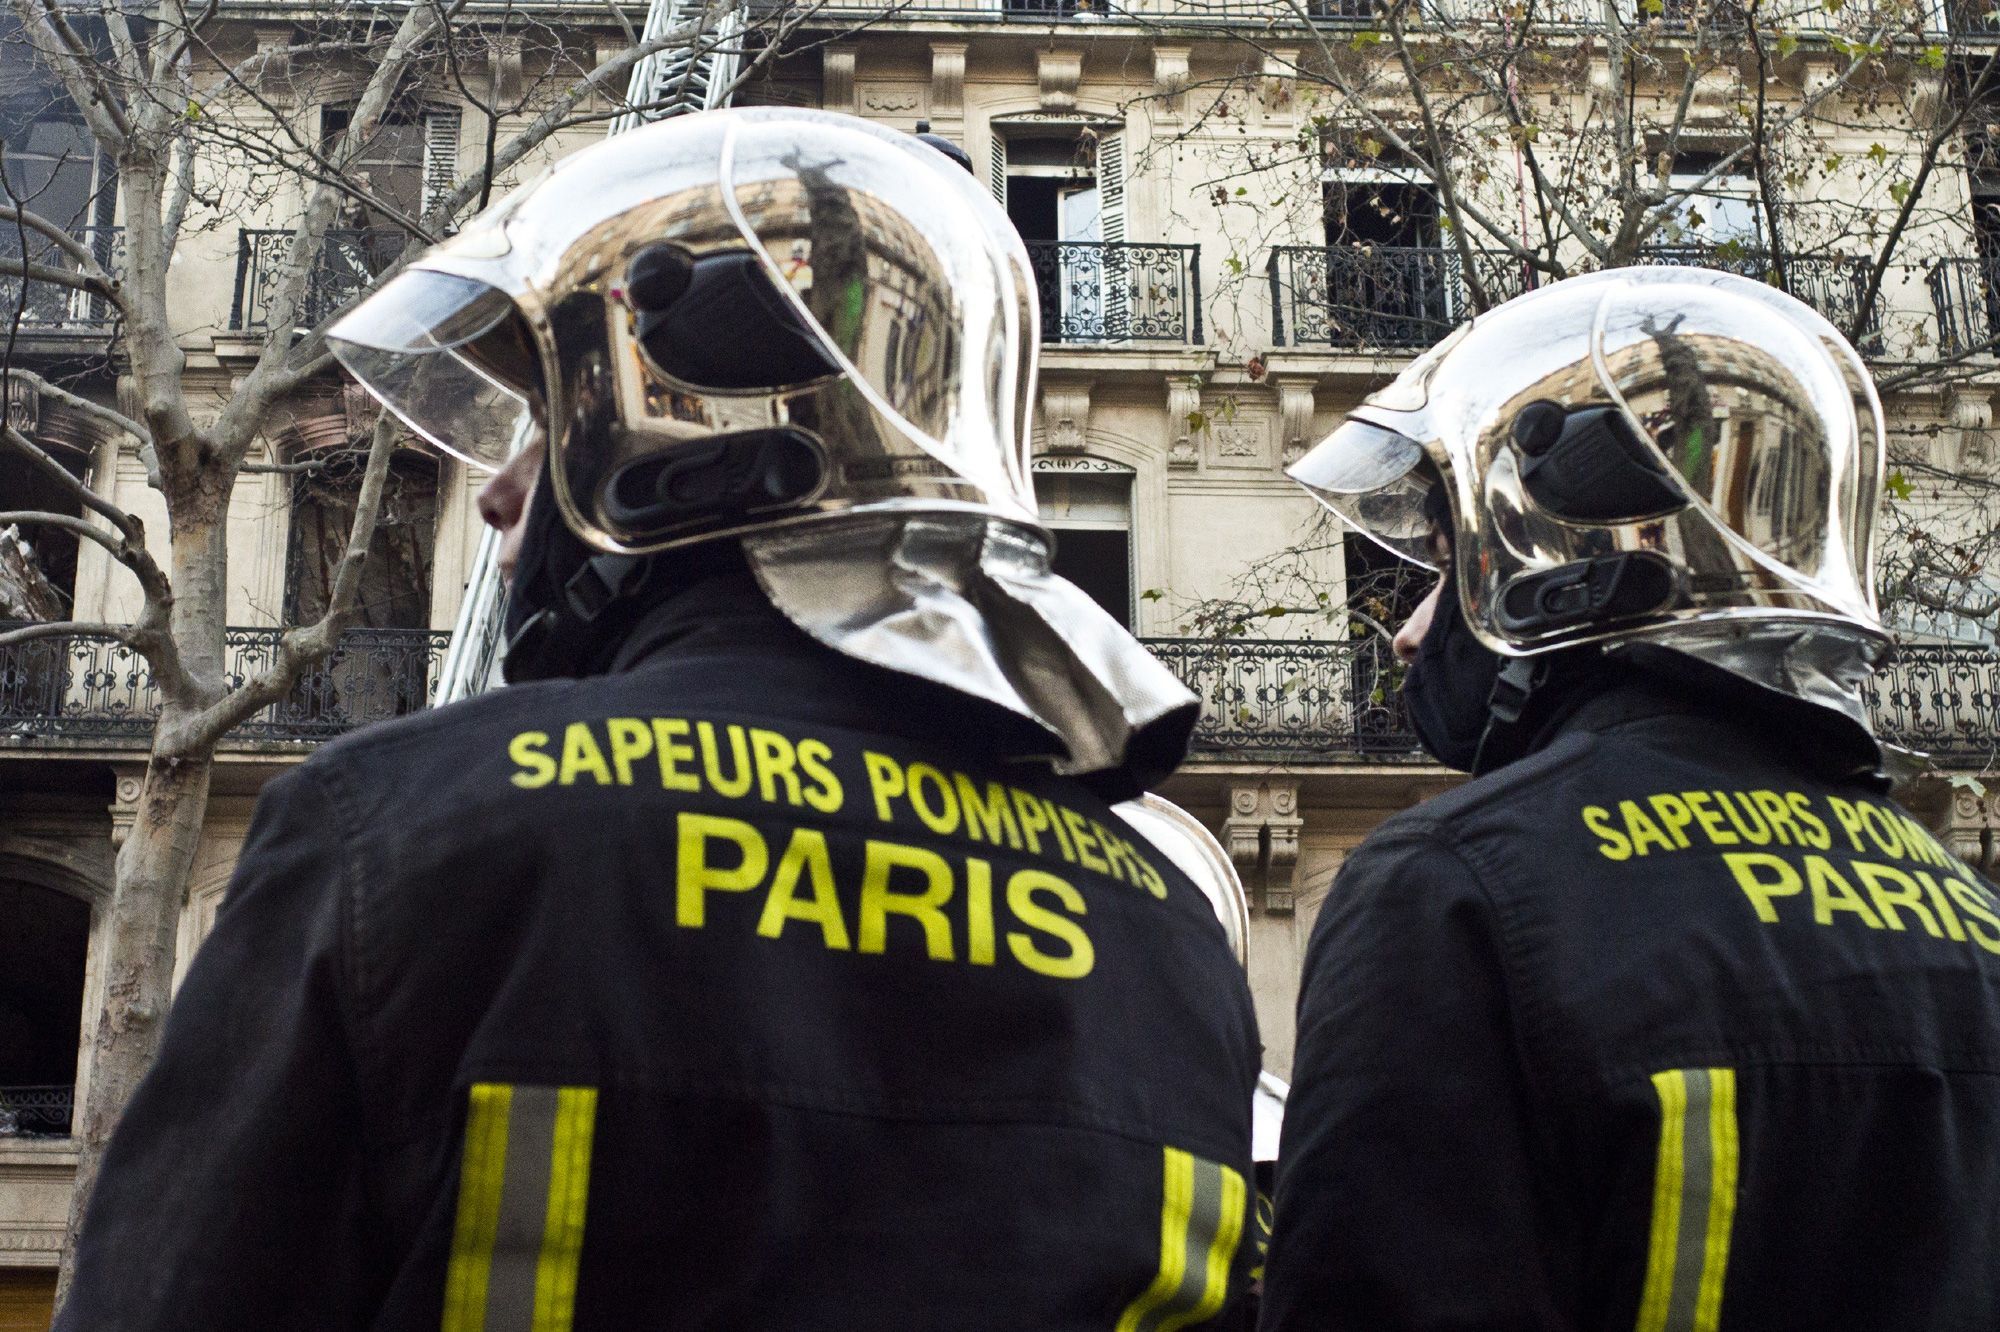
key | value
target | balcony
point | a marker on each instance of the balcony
(1094, 291)
(1320, 701)
(350, 260)
(1830, 284)
(51, 309)
(1379, 297)
(82, 690)
(1963, 293)
(27, 1112)
(1299, 700)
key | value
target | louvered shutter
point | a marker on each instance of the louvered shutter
(440, 154)
(997, 177)
(1124, 280)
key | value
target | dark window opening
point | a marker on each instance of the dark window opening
(42, 956)
(382, 667)
(390, 165)
(1376, 196)
(1052, 192)
(1386, 590)
(396, 579)
(1090, 516)
(1100, 562)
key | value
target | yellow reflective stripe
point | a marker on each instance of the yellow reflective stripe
(1694, 1201)
(1201, 1223)
(1721, 1198)
(1179, 1197)
(482, 1167)
(569, 1188)
(1221, 1252)
(524, 1180)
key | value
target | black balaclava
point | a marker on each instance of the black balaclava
(569, 606)
(1448, 689)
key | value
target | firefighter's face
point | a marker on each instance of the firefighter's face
(503, 501)
(1410, 636)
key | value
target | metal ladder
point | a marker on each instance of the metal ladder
(669, 82)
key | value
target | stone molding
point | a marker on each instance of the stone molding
(837, 79)
(1973, 833)
(1183, 401)
(947, 81)
(1057, 75)
(1296, 410)
(1065, 414)
(1170, 77)
(1262, 834)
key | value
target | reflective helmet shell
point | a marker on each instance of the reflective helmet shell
(1755, 434)
(846, 325)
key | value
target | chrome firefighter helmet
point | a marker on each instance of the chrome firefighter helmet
(801, 331)
(1671, 456)
(726, 322)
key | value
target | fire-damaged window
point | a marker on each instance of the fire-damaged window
(382, 667)
(396, 577)
(38, 564)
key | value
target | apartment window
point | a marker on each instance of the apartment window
(1713, 209)
(396, 579)
(1374, 196)
(1090, 513)
(42, 953)
(1065, 191)
(410, 163)
(53, 168)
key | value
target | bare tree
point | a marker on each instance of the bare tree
(207, 125)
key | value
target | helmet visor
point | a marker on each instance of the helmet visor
(447, 355)
(1371, 478)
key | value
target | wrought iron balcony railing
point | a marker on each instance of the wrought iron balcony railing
(1309, 701)
(1315, 701)
(36, 1111)
(1830, 284)
(1379, 296)
(1966, 297)
(1300, 700)
(349, 262)
(1944, 701)
(47, 306)
(91, 689)
(1095, 291)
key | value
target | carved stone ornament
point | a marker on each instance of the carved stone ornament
(1971, 412)
(1057, 74)
(1072, 463)
(947, 80)
(1262, 834)
(1065, 416)
(1170, 76)
(1974, 835)
(1183, 401)
(1296, 410)
(1238, 440)
(837, 79)
(892, 100)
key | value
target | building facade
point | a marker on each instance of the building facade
(1205, 320)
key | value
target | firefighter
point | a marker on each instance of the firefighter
(768, 956)
(1670, 1018)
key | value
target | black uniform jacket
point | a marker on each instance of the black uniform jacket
(747, 987)
(1657, 1028)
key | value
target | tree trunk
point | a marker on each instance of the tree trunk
(140, 928)
(157, 856)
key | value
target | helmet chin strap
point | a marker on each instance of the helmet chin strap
(561, 640)
(1513, 689)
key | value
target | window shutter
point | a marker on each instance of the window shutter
(1122, 277)
(1111, 186)
(440, 154)
(998, 178)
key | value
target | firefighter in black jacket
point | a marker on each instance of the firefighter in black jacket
(1670, 1019)
(775, 960)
